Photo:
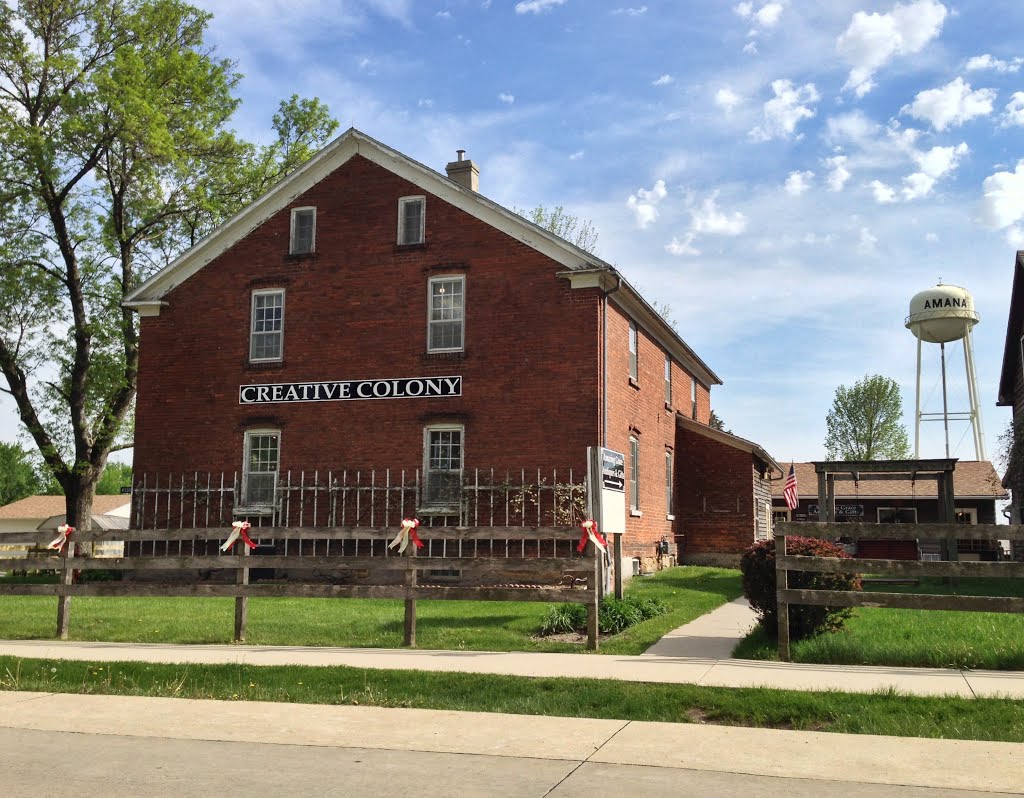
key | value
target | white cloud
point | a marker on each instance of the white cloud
(932, 164)
(709, 219)
(576, 155)
(987, 61)
(872, 40)
(630, 12)
(446, 14)
(507, 98)
(664, 80)
(1015, 236)
(931, 238)
(1014, 110)
(784, 112)
(1003, 202)
(537, 6)
(839, 174)
(644, 204)
(750, 48)
(866, 243)
(426, 102)
(951, 105)
(767, 16)
(682, 246)
(726, 98)
(798, 182)
(884, 194)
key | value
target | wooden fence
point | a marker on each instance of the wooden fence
(949, 533)
(499, 564)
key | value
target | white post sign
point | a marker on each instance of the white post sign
(608, 487)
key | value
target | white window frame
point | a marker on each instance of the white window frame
(247, 439)
(634, 352)
(291, 234)
(785, 512)
(425, 500)
(668, 380)
(669, 492)
(634, 475)
(253, 332)
(880, 510)
(693, 396)
(421, 233)
(970, 512)
(442, 278)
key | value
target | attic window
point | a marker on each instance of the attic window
(303, 234)
(411, 217)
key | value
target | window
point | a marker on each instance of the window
(897, 515)
(303, 235)
(668, 380)
(442, 466)
(633, 371)
(266, 333)
(668, 485)
(693, 396)
(445, 325)
(966, 515)
(779, 514)
(634, 473)
(411, 218)
(259, 472)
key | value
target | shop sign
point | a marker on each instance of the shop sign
(350, 390)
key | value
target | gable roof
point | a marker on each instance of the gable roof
(972, 479)
(735, 441)
(149, 297)
(1014, 328)
(47, 506)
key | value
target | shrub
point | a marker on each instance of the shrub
(758, 567)
(615, 616)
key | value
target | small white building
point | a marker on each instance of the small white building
(47, 513)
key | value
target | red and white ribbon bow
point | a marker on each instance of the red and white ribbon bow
(591, 535)
(406, 534)
(63, 533)
(239, 529)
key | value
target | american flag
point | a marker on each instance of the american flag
(789, 492)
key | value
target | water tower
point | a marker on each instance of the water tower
(941, 315)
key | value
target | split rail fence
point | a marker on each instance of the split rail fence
(327, 535)
(949, 533)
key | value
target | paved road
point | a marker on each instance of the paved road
(82, 746)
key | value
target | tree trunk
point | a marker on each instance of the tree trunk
(79, 494)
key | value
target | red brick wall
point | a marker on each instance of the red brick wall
(715, 496)
(357, 310)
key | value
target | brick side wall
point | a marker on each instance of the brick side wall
(714, 497)
(357, 310)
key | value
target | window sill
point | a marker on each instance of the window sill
(670, 518)
(669, 407)
(261, 510)
(633, 383)
(459, 355)
(636, 513)
(410, 247)
(263, 365)
(291, 256)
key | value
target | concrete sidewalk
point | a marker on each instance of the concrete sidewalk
(547, 755)
(697, 653)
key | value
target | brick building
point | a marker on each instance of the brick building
(369, 312)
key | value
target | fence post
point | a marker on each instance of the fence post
(594, 604)
(410, 605)
(241, 602)
(782, 606)
(63, 599)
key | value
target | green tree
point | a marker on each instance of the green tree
(865, 422)
(116, 153)
(115, 476)
(18, 476)
(563, 224)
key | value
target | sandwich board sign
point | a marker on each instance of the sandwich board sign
(607, 471)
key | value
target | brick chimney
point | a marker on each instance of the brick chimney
(464, 172)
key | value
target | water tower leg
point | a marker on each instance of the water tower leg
(972, 392)
(917, 406)
(945, 403)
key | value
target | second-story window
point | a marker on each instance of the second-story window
(266, 332)
(634, 473)
(668, 380)
(633, 367)
(693, 396)
(411, 220)
(303, 232)
(446, 314)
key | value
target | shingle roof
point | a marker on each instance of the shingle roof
(45, 506)
(971, 479)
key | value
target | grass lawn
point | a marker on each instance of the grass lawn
(688, 592)
(924, 638)
(879, 713)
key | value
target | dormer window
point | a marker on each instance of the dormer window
(411, 220)
(303, 235)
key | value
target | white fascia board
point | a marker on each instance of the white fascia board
(334, 155)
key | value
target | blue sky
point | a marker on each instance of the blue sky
(785, 175)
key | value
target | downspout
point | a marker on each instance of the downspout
(604, 358)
